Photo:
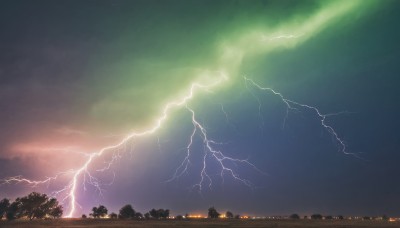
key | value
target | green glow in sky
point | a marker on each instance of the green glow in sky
(156, 60)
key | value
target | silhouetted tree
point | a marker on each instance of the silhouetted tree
(213, 213)
(328, 217)
(126, 212)
(138, 215)
(160, 213)
(147, 215)
(340, 217)
(316, 216)
(179, 217)
(53, 209)
(229, 214)
(165, 213)
(4, 204)
(294, 216)
(237, 216)
(56, 212)
(37, 205)
(32, 205)
(13, 210)
(366, 218)
(153, 213)
(113, 215)
(385, 218)
(99, 212)
(84, 216)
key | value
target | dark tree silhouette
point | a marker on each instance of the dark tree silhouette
(4, 204)
(32, 206)
(13, 210)
(37, 205)
(229, 214)
(138, 215)
(316, 216)
(160, 213)
(328, 217)
(340, 217)
(164, 213)
(99, 212)
(56, 212)
(84, 216)
(294, 216)
(53, 209)
(153, 213)
(385, 218)
(113, 215)
(126, 212)
(179, 217)
(147, 215)
(237, 216)
(213, 213)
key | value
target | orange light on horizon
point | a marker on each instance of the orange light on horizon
(196, 216)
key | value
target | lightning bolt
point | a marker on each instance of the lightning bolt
(167, 109)
(224, 162)
(84, 170)
(293, 105)
(230, 62)
(211, 153)
(280, 37)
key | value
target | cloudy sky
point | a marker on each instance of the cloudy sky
(79, 76)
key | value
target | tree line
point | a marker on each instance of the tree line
(127, 212)
(39, 206)
(32, 206)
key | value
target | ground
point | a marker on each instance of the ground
(197, 223)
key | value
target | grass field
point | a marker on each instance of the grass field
(197, 223)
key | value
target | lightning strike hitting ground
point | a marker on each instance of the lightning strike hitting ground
(233, 56)
(84, 171)
(224, 162)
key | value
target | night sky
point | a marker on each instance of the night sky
(78, 76)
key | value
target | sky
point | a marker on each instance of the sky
(80, 76)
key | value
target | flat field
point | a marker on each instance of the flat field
(197, 223)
